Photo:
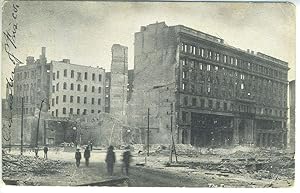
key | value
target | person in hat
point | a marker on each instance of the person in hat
(78, 157)
(87, 155)
(126, 160)
(110, 160)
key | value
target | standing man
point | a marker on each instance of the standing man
(36, 151)
(126, 160)
(110, 160)
(78, 157)
(87, 155)
(45, 152)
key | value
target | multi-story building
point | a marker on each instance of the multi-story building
(76, 89)
(66, 89)
(207, 92)
(31, 82)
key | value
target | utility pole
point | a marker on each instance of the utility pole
(38, 125)
(173, 149)
(22, 125)
(45, 133)
(148, 133)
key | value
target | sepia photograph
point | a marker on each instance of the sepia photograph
(148, 94)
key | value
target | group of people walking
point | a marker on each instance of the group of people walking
(110, 159)
(86, 154)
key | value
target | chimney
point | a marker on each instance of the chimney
(143, 28)
(66, 61)
(30, 60)
(44, 51)
(248, 50)
(252, 52)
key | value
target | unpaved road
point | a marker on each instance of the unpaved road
(139, 176)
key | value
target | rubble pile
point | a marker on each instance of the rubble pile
(18, 165)
(187, 149)
(266, 164)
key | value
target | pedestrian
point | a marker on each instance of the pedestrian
(45, 152)
(87, 155)
(126, 160)
(36, 151)
(110, 160)
(78, 157)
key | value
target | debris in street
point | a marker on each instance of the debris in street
(18, 165)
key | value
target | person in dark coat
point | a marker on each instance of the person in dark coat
(126, 160)
(110, 160)
(87, 155)
(78, 157)
(36, 151)
(45, 152)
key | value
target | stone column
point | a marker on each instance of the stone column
(235, 131)
(261, 139)
(266, 139)
(188, 136)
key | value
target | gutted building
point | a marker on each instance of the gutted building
(119, 81)
(205, 92)
(32, 83)
(76, 89)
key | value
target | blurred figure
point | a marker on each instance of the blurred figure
(110, 160)
(87, 155)
(126, 160)
(36, 151)
(78, 157)
(45, 152)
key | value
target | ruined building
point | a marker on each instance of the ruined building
(118, 82)
(108, 86)
(67, 91)
(207, 92)
(32, 83)
(76, 89)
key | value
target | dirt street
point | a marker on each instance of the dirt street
(154, 173)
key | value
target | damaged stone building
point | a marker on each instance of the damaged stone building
(207, 92)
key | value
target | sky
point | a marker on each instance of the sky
(85, 31)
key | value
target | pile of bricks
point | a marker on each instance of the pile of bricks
(17, 165)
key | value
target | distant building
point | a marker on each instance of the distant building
(32, 83)
(68, 91)
(292, 100)
(216, 94)
(76, 89)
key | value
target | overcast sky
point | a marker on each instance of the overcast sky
(85, 31)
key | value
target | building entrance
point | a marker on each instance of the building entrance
(211, 130)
